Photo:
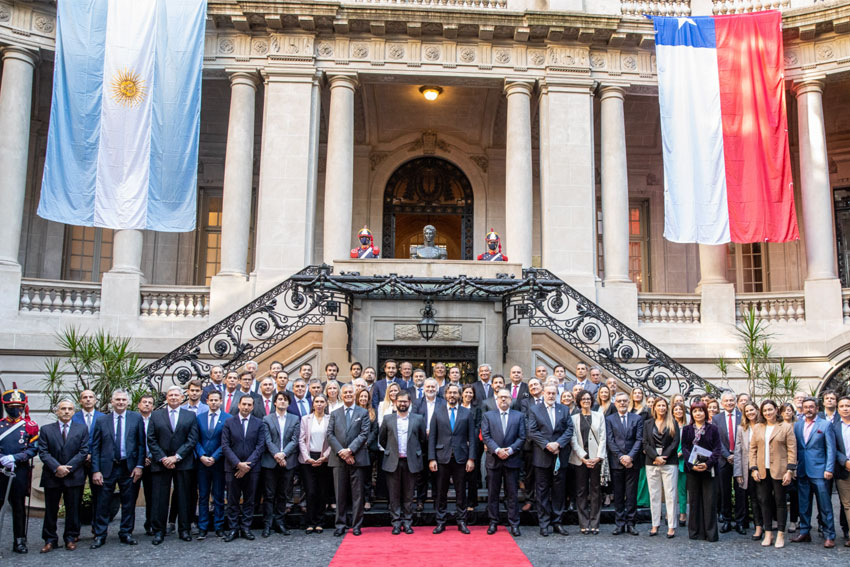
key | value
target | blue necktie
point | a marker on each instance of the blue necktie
(452, 418)
(119, 435)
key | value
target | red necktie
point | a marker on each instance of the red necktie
(229, 399)
(267, 407)
(731, 433)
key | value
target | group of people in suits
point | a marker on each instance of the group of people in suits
(213, 456)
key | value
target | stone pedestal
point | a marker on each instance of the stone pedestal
(717, 304)
(10, 289)
(227, 294)
(823, 305)
(620, 299)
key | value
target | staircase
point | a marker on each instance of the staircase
(538, 299)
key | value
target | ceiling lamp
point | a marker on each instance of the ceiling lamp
(431, 93)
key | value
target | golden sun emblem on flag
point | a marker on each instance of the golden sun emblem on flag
(128, 89)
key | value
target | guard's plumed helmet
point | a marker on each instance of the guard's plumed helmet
(15, 396)
(493, 236)
(365, 232)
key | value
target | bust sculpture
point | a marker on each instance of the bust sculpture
(429, 251)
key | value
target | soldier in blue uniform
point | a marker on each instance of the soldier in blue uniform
(366, 249)
(494, 248)
(18, 446)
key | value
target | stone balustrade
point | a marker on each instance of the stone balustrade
(781, 307)
(845, 305)
(743, 6)
(641, 8)
(175, 301)
(668, 308)
(56, 296)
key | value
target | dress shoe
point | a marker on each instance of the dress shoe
(515, 531)
(544, 532)
(231, 535)
(247, 534)
(671, 535)
(267, 531)
(148, 532)
(220, 533)
(801, 538)
(725, 527)
(97, 542)
(462, 528)
(740, 529)
(20, 545)
(48, 547)
(202, 534)
(396, 530)
(281, 529)
(70, 546)
(185, 536)
(561, 529)
(157, 539)
(408, 530)
(339, 532)
(617, 531)
(829, 544)
(492, 529)
(631, 530)
(439, 529)
(356, 531)
(194, 529)
(128, 540)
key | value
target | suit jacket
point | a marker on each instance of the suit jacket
(295, 410)
(669, 445)
(103, 443)
(379, 390)
(512, 438)
(443, 443)
(623, 440)
(259, 410)
(354, 437)
(480, 397)
(541, 432)
(818, 455)
(489, 405)
(238, 393)
(420, 407)
(741, 465)
(163, 442)
(416, 439)
(522, 394)
(238, 447)
(209, 442)
(597, 442)
(55, 452)
(272, 436)
(588, 385)
(783, 450)
(304, 439)
(842, 453)
(720, 422)
(209, 388)
(835, 417)
(78, 418)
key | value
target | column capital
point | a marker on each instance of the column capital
(274, 74)
(247, 77)
(568, 85)
(20, 54)
(607, 91)
(513, 86)
(344, 80)
(807, 85)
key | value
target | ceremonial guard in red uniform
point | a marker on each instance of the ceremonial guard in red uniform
(494, 248)
(365, 250)
(18, 446)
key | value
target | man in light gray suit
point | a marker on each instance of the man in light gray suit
(279, 461)
(348, 432)
(402, 436)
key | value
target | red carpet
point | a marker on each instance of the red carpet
(377, 547)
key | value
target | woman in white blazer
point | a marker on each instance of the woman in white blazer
(314, 452)
(587, 458)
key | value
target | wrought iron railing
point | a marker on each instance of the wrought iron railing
(539, 298)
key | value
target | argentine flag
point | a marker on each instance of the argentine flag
(122, 149)
(724, 129)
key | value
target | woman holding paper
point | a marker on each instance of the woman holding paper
(700, 450)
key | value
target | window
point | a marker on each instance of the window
(88, 253)
(745, 267)
(209, 235)
(638, 244)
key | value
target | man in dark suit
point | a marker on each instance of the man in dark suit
(841, 430)
(483, 388)
(300, 403)
(379, 390)
(582, 380)
(232, 392)
(211, 466)
(727, 422)
(279, 462)
(63, 447)
(830, 406)
(518, 388)
(490, 403)
(145, 409)
(117, 457)
(624, 431)
(242, 444)
(535, 397)
(550, 429)
(216, 383)
(348, 432)
(172, 440)
(417, 386)
(451, 455)
(87, 415)
(244, 377)
(503, 432)
(426, 406)
(403, 437)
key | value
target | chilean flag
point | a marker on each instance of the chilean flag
(727, 168)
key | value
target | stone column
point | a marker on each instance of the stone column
(717, 301)
(712, 264)
(238, 174)
(822, 286)
(285, 208)
(15, 117)
(339, 173)
(615, 186)
(518, 181)
(127, 252)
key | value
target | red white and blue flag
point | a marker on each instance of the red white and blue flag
(727, 168)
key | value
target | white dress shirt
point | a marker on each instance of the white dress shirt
(318, 431)
(402, 425)
(281, 422)
(768, 431)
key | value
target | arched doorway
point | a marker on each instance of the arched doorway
(428, 190)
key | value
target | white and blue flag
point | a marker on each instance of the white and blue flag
(122, 150)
